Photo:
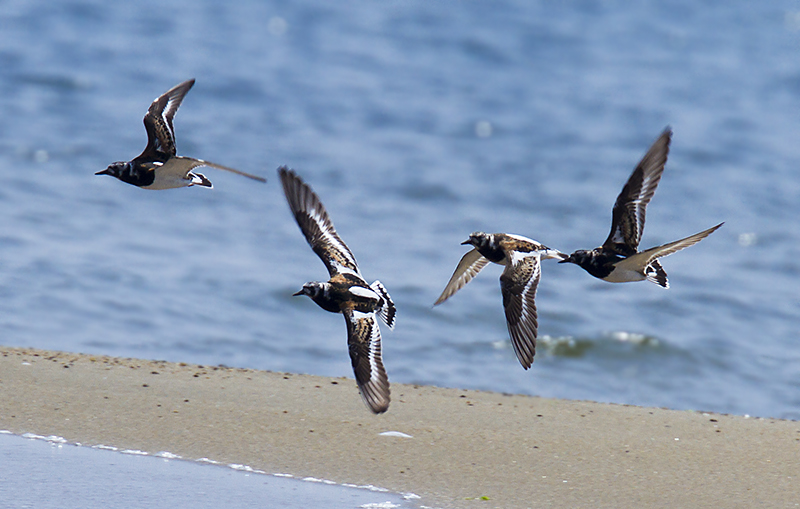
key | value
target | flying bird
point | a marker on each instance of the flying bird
(618, 260)
(346, 292)
(521, 257)
(158, 166)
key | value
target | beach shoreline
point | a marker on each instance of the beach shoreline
(463, 448)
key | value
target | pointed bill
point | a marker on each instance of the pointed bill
(364, 343)
(469, 266)
(315, 224)
(628, 216)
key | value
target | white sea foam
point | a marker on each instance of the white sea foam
(398, 434)
(52, 438)
(633, 338)
(314, 479)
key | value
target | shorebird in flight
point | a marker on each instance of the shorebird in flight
(158, 166)
(346, 292)
(522, 260)
(618, 260)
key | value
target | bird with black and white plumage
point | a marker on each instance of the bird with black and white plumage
(619, 260)
(521, 257)
(159, 166)
(346, 292)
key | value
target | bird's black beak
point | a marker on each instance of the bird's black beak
(298, 293)
(466, 242)
(568, 259)
(104, 172)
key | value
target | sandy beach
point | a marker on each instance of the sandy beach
(466, 448)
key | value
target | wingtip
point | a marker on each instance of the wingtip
(287, 176)
(442, 298)
(527, 361)
(376, 397)
(378, 407)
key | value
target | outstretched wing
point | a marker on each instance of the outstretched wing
(158, 121)
(627, 219)
(190, 163)
(518, 284)
(641, 261)
(316, 225)
(364, 343)
(469, 266)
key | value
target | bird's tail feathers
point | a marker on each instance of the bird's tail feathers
(198, 179)
(388, 310)
(655, 273)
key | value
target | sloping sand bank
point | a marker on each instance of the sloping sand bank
(468, 448)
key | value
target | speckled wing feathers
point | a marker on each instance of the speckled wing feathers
(315, 224)
(518, 284)
(364, 343)
(158, 121)
(628, 216)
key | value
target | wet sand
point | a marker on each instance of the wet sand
(468, 448)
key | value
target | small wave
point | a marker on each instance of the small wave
(569, 346)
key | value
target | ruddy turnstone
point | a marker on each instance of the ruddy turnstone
(158, 166)
(522, 259)
(618, 260)
(345, 292)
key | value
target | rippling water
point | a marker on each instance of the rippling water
(417, 123)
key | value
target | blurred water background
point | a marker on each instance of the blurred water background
(417, 123)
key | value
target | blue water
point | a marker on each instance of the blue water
(417, 122)
(42, 475)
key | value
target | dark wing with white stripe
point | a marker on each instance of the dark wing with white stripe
(627, 221)
(364, 343)
(158, 121)
(469, 266)
(518, 284)
(316, 225)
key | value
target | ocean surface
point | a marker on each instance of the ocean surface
(47, 473)
(416, 122)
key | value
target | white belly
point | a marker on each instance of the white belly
(623, 275)
(172, 174)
